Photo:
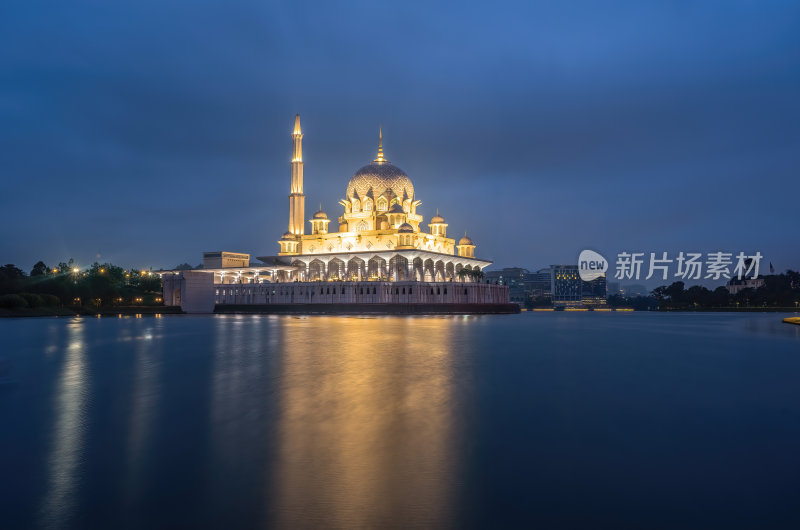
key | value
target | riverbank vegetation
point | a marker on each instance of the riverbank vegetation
(67, 289)
(780, 291)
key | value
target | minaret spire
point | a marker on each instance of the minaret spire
(380, 158)
(297, 200)
(297, 124)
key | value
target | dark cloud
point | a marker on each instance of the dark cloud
(152, 131)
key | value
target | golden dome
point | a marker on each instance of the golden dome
(465, 241)
(320, 215)
(379, 177)
(405, 228)
(437, 219)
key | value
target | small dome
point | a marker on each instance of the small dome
(320, 215)
(405, 228)
(437, 219)
(396, 208)
(288, 235)
(465, 241)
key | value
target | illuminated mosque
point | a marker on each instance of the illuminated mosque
(379, 235)
(378, 256)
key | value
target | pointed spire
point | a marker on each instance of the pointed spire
(380, 158)
(297, 125)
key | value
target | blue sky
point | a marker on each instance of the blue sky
(148, 132)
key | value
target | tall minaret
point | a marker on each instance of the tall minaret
(297, 201)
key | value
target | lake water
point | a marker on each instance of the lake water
(548, 420)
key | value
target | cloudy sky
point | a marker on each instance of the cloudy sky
(148, 132)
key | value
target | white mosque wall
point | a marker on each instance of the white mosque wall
(368, 292)
(195, 292)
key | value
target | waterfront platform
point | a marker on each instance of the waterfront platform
(196, 292)
(792, 320)
(367, 309)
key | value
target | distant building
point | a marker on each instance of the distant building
(613, 288)
(631, 291)
(566, 286)
(225, 260)
(595, 292)
(735, 285)
(539, 283)
(515, 278)
(569, 290)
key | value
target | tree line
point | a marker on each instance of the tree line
(66, 285)
(778, 291)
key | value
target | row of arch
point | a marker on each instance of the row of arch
(398, 268)
(356, 205)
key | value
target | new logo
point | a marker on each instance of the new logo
(591, 265)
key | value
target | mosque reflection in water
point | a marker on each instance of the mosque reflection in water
(366, 431)
(266, 421)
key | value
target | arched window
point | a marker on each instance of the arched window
(381, 204)
(356, 205)
(367, 204)
(362, 226)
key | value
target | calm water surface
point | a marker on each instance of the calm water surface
(531, 420)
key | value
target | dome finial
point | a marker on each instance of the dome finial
(380, 158)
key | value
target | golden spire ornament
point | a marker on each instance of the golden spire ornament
(380, 159)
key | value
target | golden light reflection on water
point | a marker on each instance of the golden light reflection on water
(366, 424)
(68, 435)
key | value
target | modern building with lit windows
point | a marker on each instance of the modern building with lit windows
(569, 290)
(377, 251)
(566, 286)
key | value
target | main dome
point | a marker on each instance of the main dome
(380, 176)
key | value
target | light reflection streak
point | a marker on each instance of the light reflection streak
(145, 401)
(68, 435)
(238, 372)
(367, 423)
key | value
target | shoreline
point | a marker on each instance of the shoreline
(358, 309)
(87, 312)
